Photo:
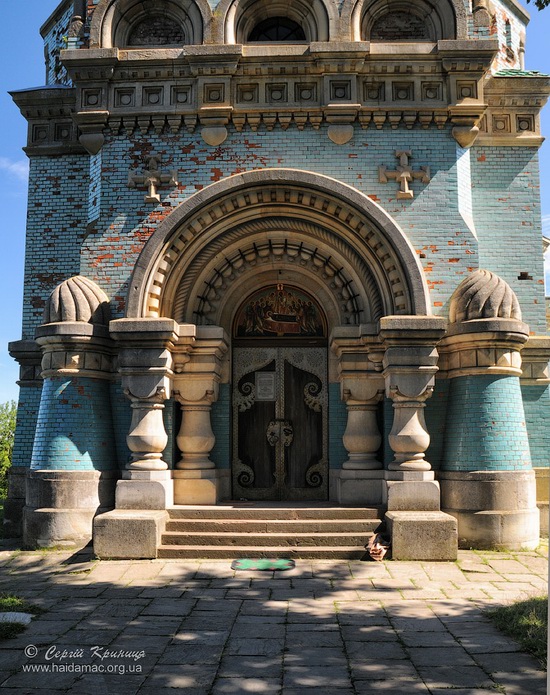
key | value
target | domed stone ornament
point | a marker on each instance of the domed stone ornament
(483, 295)
(77, 299)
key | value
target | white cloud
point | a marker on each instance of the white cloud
(546, 226)
(19, 169)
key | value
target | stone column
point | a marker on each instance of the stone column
(145, 364)
(419, 530)
(73, 467)
(196, 383)
(410, 365)
(487, 480)
(27, 354)
(361, 388)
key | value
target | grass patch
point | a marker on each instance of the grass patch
(9, 603)
(526, 622)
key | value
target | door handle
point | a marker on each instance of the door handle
(280, 429)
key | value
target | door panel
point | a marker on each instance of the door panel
(280, 424)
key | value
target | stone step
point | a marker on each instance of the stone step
(274, 511)
(214, 552)
(279, 540)
(311, 526)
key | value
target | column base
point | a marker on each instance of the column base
(15, 502)
(422, 536)
(357, 486)
(199, 486)
(412, 496)
(125, 534)
(494, 509)
(61, 506)
(145, 490)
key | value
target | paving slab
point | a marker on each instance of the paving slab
(335, 627)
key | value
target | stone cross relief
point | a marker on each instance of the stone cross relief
(403, 174)
(152, 178)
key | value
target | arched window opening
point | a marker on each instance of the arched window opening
(157, 30)
(277, 29)
(399, 26)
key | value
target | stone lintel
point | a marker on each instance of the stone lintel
(412, 330)
(144, 330)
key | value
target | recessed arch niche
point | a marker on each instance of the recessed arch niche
(155, 24)
(277, 225)
(390, 21)
(243, 16)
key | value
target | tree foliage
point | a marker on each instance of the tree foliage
(8, 413)
(540, 4)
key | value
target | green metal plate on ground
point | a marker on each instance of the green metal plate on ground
(262, 564)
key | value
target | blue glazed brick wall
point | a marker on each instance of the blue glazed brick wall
(55, 41)
(122, 416)
(433, 220)
(506, 198)
(221, 426)
(536, 403)
(27, 414)
(56, 227)
(338, 420)
(74, 428)
(486, 427)
(434, 414)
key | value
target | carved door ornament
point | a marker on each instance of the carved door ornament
(280, 423)
(404, 174)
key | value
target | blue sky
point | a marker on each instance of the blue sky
(21, 53)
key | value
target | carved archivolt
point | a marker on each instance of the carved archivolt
(299, 245)
(347, 243)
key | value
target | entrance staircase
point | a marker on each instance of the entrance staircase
(270, 530)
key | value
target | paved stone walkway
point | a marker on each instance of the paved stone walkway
(197, 627)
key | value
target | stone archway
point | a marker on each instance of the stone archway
(344, 237)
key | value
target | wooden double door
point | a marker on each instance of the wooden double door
(280, 423)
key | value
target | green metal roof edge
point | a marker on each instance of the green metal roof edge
(514, 72)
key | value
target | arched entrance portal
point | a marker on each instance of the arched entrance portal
(280, 397)
(203, 275)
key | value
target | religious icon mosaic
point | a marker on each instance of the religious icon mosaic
(280, 311)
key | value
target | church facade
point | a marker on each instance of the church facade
(283, 255)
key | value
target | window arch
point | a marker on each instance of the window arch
(249, 21)
(277, 29)
(407, 20)
(156, 30)
(156, 23)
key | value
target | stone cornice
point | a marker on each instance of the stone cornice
(333, 83)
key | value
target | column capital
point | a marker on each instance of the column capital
(483, 346)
